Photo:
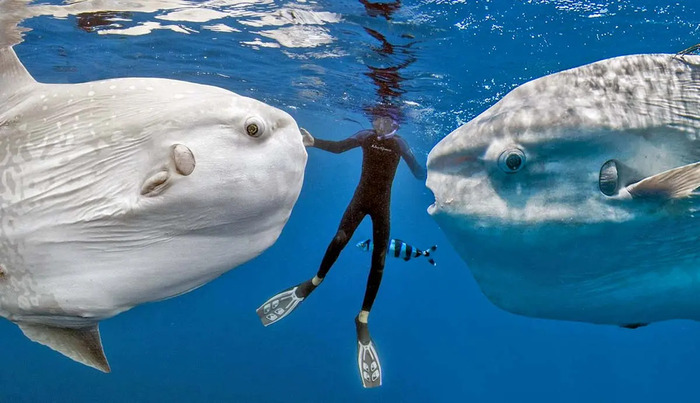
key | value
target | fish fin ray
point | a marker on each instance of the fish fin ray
(672, 184)
(80, 344)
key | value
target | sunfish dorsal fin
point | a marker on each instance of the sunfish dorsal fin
(13, 74)
(672, 184)
(81, 344)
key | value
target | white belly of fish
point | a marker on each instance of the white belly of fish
(59, 279)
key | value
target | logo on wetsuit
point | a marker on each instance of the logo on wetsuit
(376, 147)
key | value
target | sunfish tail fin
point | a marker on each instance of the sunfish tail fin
(80, 344)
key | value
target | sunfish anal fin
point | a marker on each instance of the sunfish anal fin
(81, 344)
(672, 184)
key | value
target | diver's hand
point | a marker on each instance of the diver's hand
(306, 137)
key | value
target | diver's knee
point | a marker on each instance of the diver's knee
(379, 256)
(341, 237)
(377, 269)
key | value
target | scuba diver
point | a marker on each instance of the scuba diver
(382, 149)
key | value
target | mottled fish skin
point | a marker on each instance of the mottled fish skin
(543, 240)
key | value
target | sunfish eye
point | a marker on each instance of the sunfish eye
(511, 160)
(252, 129)
(255, 127)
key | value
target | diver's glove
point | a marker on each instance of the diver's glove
(306, 137)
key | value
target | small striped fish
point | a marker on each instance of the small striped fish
(400, 249)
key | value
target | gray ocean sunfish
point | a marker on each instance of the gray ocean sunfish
(573, 197)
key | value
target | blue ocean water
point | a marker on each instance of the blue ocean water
(434, 65)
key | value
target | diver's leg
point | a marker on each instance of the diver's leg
(380, 233)
(283, 303)
(348, 224)
(367, 358)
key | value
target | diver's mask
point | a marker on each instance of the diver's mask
(385, 127)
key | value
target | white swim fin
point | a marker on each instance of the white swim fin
(284, 303)
(367, 357)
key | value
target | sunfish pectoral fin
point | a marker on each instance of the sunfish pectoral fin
(156, 184)
(181, 161)
(80, 344)
(672, 184)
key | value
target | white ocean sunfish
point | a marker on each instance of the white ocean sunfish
(125, 191)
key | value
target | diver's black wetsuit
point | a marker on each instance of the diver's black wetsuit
(372, 197)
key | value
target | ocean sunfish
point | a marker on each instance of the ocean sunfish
(573, 197)
(125, 191)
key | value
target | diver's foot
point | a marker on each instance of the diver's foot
(284, 303)
(367, 358)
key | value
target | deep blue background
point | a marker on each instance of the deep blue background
(439, 338)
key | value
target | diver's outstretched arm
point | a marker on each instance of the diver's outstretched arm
(416, 168)
(336, 147)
